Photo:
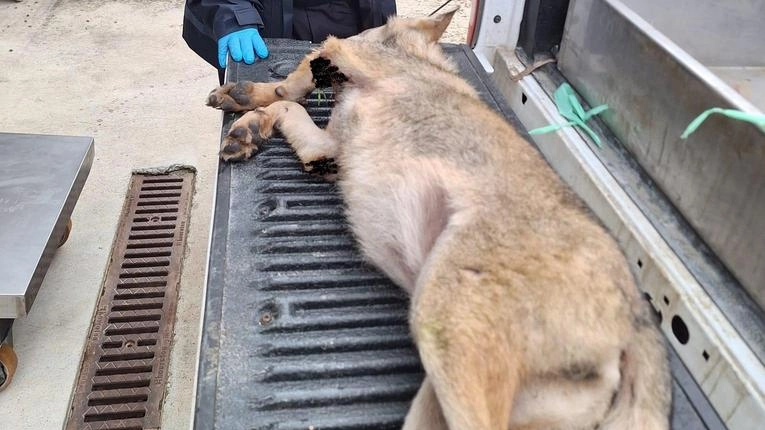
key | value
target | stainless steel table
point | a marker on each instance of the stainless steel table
(40, 180)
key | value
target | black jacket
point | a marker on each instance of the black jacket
(206, 21)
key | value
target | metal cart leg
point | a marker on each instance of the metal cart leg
(8, 359)
(65, 236)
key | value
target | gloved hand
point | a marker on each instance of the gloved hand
(242, 44)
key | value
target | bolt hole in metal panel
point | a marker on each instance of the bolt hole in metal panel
(122, 378)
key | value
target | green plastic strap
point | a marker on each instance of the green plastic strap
(570, 108)
(758, 120)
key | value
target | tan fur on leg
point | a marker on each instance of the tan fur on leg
(472, 366)
(566, 401)
(425, 413)
(310, 142)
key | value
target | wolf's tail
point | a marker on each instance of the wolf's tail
(644, 397)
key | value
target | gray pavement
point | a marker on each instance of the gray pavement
(120, 72)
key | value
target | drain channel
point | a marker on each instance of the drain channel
(122, 378)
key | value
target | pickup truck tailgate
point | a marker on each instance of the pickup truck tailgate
(299, 332)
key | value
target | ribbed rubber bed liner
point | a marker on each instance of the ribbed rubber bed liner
(299, 333)
(323, 338)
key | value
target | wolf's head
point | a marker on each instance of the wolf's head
(360, 61)
(412, 35)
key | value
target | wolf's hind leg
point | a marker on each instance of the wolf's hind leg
(425, 412)
(315, 147)
(245, 95)
(472, 366)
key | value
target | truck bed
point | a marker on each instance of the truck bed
(299, 332)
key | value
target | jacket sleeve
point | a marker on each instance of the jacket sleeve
(375, 13)
(221, 17)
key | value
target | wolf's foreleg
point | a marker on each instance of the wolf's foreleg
(245, 95)
(315, 147)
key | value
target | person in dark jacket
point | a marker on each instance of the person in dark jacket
(216, 28)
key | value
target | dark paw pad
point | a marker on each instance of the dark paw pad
(232, 148)
(322, 166)
(240, 93)
(254, 127)
(238, 133)
(237, 151)
(228, 106)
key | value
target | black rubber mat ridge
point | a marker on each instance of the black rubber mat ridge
(325, 335)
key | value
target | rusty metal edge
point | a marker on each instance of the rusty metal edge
(165, 336)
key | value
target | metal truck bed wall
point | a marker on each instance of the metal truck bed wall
(658, 65)
(299, 333)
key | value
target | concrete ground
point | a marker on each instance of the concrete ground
(120, 72)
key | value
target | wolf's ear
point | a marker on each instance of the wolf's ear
(434, 26)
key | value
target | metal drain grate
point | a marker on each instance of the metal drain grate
(122, 377)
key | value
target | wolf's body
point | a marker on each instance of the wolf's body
(523, 308)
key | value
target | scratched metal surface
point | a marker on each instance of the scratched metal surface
(37, 197)
(654, 88)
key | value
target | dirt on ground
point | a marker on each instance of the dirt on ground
(457, 31)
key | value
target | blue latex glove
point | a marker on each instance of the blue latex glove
(243, 45)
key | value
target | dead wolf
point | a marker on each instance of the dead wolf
(523, 309)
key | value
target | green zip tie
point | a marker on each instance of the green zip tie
(758, 120)
(570, 108)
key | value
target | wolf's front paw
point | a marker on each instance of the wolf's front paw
(238, 145)
(245, 135)
(242, 96)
